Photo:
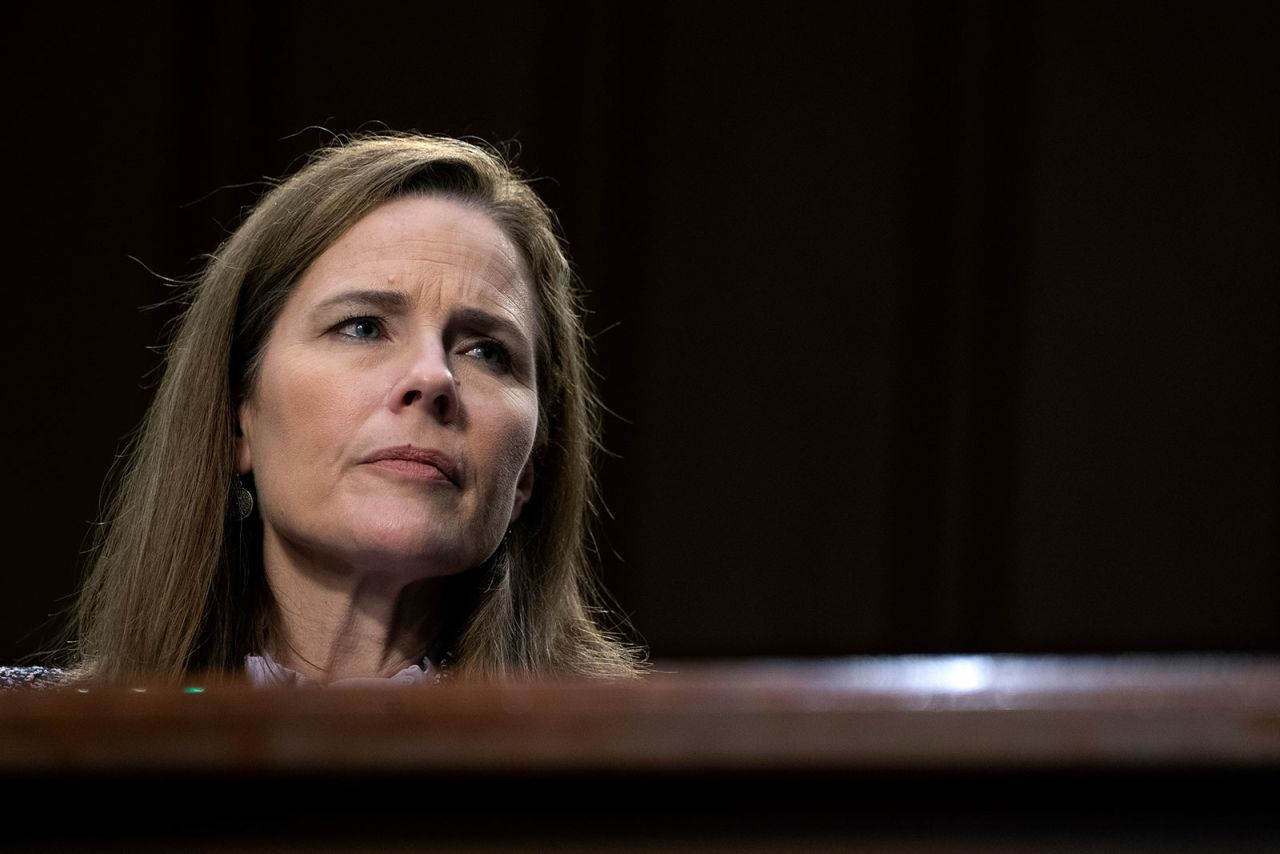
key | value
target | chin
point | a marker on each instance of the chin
(416, 546)
(406, 537)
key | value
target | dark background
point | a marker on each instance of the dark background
(925, 326)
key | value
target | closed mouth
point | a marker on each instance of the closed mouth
(419, 456)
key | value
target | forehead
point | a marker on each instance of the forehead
(430, 248)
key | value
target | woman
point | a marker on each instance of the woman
(370, 453)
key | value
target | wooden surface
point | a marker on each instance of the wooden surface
(948, 712)
(771, 750)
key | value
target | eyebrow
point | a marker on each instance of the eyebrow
(393, 301)
(381, 300)
(487, 323)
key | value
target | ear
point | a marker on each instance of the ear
(524, 489)
(244, 452)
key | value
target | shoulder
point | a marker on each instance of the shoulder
(33, 677)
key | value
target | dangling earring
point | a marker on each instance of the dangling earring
(243, 498)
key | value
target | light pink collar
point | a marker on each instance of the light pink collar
(264, 672)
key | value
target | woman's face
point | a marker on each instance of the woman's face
(393, 416)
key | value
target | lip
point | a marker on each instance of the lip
(422, 456)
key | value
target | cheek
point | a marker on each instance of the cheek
(306, 413)
(510, 441)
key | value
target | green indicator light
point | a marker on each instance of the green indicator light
(193, 690)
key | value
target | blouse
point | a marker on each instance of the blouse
(264, 672)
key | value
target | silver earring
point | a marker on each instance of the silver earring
(244, 499)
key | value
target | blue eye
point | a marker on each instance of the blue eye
(361, 328)
(491, 352)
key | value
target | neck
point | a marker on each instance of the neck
(336, 620)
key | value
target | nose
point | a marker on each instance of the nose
(427, 382)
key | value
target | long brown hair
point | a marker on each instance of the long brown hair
(176, 584)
